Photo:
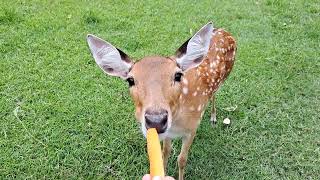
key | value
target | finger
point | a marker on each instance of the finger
(146, 177)
(168, 178)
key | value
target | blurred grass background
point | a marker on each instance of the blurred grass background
(62, 118)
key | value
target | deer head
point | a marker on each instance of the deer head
(154, 82)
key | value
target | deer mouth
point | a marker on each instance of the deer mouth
(162, 132)
(161, 129)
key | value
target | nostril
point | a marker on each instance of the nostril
(164, 119)
(148, 120)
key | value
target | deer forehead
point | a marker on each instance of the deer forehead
(153, 68)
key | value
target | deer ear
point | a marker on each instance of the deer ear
(110, 59)
(193, 51)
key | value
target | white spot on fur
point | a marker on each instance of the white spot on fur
(195, 93)
(214, 64)
(223, 67)
(185, 81)
(185, 90)
(199, 108)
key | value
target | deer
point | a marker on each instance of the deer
(171, 93)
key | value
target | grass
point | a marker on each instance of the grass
(62, 118)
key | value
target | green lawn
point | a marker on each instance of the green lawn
(62, 118)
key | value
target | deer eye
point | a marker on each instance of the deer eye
(177, 76)
(130, 81)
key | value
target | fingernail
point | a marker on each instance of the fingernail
(156, 178)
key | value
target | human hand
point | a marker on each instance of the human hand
(148, 177)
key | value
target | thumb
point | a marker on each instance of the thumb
(164, 178)
(168, 178)
(156, 178)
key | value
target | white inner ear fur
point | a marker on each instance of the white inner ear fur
(197, 47)
(108, 57)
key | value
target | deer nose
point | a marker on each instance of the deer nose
(156, 119)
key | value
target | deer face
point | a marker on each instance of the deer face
(154, 82)
(155, 91)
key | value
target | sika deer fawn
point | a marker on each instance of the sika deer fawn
(171, 93)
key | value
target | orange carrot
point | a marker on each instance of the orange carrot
(154, 152)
